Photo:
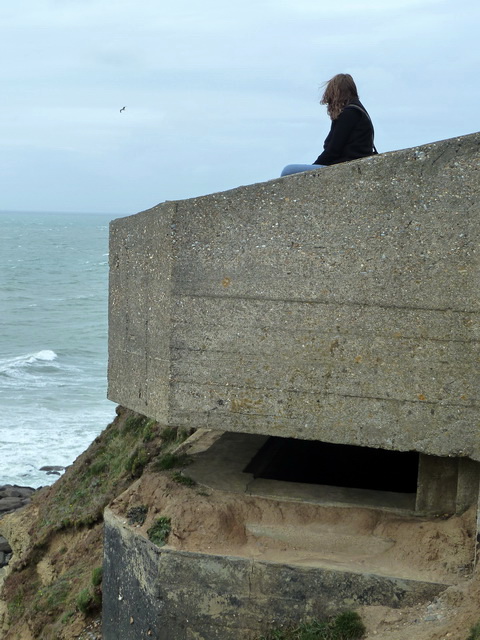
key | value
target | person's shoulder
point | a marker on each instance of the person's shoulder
(355, 105)
(351, 110)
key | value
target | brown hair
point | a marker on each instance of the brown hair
(339, 91)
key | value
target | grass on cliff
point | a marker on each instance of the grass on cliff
(345, 626)
(108, 466)
(58, 578)
(160, 530)
(474, 632)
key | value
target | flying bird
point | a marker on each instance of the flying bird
(122, 109)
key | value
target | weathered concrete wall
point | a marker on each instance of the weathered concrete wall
(162, 594)
(339, 305)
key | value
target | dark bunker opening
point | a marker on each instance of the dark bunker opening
(314, 462)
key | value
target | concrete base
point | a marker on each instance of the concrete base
(163, 594)
(299, 551)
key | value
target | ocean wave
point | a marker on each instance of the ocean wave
(53, 356)
(19, 362)
(56, 436)
(25, 365)
(46, 355)
(41, 369)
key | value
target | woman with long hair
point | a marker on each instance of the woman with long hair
(351, 132)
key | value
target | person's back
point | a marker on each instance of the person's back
(351, 132)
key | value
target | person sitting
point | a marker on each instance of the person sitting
(351, 132)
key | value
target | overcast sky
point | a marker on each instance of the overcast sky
(217, 94)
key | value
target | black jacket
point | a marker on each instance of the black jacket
(350, 136)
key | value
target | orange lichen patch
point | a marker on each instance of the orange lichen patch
(240, 404)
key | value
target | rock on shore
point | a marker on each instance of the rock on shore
(12, 497)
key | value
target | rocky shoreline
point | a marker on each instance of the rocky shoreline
(12, 497)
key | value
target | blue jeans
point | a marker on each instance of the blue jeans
(300, 168)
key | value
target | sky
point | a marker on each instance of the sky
(217, 94)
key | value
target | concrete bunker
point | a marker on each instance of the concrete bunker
(324, 463)
(337, 307)
(408, 483)
(408, 480)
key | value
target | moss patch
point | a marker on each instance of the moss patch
(137, 515)
(160, 530)
(474, 632)
(169, 461)
(346, 626)
(185, 480)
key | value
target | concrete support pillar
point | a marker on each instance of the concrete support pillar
(468, 484)
(477, 539)
(437, 485)
(446, 485)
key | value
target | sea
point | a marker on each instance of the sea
(53, 341)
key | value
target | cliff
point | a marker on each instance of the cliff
(57, 540)
(51, 588)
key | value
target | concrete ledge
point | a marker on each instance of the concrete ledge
(163, 594)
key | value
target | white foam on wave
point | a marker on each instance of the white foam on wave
(9, 365)
(43, 369)
(46, 355)
(30, 370)
(56, 437)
